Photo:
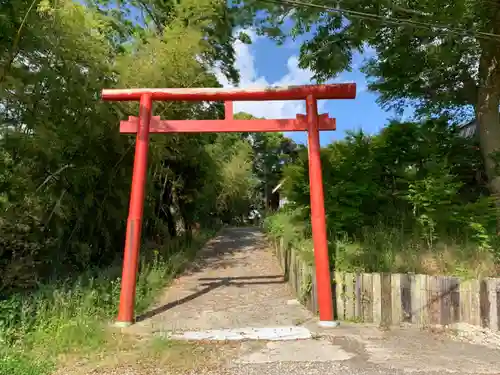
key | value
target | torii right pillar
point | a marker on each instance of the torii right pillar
(318, 218)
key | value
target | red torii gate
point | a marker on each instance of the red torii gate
(146, 124)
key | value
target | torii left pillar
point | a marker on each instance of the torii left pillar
(146, 124)
(135, 215)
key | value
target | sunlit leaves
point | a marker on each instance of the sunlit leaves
(434, 68)
(395, 177)
(65, 170)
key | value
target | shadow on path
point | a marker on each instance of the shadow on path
(218, 252)
(235, 281)
(209, 286)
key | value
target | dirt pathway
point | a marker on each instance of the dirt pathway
(237, 283)
(236, 289)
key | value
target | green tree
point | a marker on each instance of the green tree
(272, 151)
(395, 177)
(440, 55)
(211, 18)
(65, 170)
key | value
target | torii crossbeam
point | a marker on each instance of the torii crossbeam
(225, 126)
(146, 124)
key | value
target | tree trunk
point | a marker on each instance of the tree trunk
(266, 192)
(171, 225)
(164, 208)
(185, 214)
(487, 114)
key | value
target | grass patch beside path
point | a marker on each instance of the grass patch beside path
(133, 355)
(67, 319)
(387, 249)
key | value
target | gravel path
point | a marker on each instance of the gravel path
(237, 283)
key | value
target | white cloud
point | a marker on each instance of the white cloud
(245, 63)
(249, 77)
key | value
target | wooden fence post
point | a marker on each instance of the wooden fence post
(367, 296)
(470, 302)
(419, 300)
(396, 300)
(377, 298)
(386, 298)
(314, 293)
(339, 295)
(349, 296)
(358, 295)
(434, 295)
(490, 304)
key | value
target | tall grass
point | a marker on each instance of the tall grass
(387, 249)
(72, 316)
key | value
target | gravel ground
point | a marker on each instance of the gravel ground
(238, 283)
(468, 333)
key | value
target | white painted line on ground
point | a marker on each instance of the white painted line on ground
(235, 334)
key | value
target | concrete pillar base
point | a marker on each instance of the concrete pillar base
(122, 324)
(328, 323)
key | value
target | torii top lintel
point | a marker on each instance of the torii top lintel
(319, 92)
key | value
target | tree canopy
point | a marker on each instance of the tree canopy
(65, 170)
(412, 198)
(440, 56)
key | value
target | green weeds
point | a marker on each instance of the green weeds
(71, 317)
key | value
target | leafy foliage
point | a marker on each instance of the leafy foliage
(271, 151)
(440, 56)
(435, 67)
(65, 170)
(413, 186)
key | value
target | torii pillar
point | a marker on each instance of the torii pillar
(146, 124)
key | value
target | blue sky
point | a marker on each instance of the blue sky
(264, 63)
